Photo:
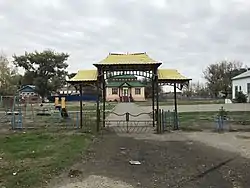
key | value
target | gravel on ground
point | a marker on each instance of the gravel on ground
(98, 182)
(178, 161)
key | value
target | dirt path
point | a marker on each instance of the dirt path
(170, 163)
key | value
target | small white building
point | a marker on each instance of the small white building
(241, 83)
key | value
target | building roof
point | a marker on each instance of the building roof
(25, 86)
(130, 83)
(171, 75)
(164, 75)
(243, 75)
(84, 76)
(125, 59)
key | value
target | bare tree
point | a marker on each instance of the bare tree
(219, 76)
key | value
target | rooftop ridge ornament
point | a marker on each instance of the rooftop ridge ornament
(131, 59)
(127, 53)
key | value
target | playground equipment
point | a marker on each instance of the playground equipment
(10, 112)
(61, 107)
(16, 113)
(221, 119)
(57, 104)
(5, 109)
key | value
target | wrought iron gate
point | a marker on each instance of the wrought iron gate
(129, 123)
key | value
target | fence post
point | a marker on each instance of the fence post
(20, 120)
(163, 120)
(1, 101)
(159, 121)
(77, 120)
(176, 121)
(13, 121)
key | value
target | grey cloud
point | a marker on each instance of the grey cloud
(184, 34)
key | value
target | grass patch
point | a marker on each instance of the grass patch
(207, 120)
(198, 121)
(30, 159)
(210, 116)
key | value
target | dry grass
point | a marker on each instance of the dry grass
(31, 159)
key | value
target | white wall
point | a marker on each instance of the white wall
(240, 83)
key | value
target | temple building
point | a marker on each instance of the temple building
(113, 79)
(125, 88)
(123, 85)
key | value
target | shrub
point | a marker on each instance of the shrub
(241, 97)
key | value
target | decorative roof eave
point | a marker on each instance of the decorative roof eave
(174, 81)
(167, 76)
(84, 76)
(171, 76)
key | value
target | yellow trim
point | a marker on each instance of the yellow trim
(124, 59)
(84, 75)
(171, 74)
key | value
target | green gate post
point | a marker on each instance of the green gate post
(98, 103)
(175, 120)
(176, 125)
(161, 120)
(158, 121)
(170, 119)
(81, 110)
(103, 101)
(156, 116)
(1, 101)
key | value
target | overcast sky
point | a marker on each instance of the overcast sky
(183, 34)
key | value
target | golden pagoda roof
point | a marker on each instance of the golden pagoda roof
(125, 59)
(84, 76)
(163, 75)
(171, 75)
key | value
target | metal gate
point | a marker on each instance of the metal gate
(129, 123)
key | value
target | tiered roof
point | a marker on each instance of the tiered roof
(126, 60)
(163, 75)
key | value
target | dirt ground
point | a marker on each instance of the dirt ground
(171, 162)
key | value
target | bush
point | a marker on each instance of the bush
(241, 97)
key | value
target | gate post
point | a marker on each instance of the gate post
(163, 120)
(158, 117)
(98, 100)
(176, 123)
(127, 120)
(160, 120)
